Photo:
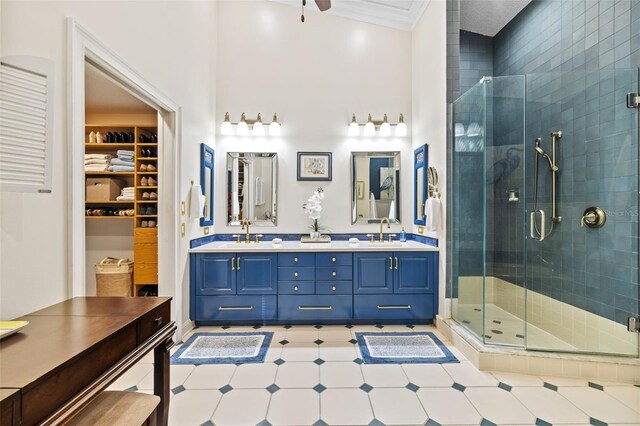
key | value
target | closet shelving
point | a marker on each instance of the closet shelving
(145, 238)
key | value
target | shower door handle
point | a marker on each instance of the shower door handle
(532, 224)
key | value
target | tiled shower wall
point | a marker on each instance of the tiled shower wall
(595, 270)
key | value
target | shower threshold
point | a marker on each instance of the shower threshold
(519, 360)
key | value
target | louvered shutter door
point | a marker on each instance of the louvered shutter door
(25, 124)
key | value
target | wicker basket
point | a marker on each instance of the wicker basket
(114, 277)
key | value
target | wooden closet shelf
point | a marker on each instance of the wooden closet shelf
(109, 202)
(109, 173)
(109, 217)
(109, 145)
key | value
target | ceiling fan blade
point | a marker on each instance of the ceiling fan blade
(323, 5)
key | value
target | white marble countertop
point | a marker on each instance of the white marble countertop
(297, 246)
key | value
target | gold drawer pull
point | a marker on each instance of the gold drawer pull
(235, 308)
(295, 288)
(158, 321)
(238, 263)
(295, 274)
(315, 308)
(394, 306)
(396, 263)
(334, 273)
(295, 259)
(390, 262)
(333, 287)
(333, 259)
(233, 263)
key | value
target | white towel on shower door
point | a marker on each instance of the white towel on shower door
(433, 211)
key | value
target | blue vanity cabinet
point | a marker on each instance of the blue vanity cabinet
(408, 291)
(257, 273)
(373, 273)
(214, 274)
(315, 286)
(414, 272)
(233, 287)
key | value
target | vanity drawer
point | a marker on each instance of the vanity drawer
(296, 287)
(226, 308)
(153, 321)
(338, 273)
(330, 259)
(334, 287)
(314, 307)
(296, 259)
(406, 306)
(296, 274)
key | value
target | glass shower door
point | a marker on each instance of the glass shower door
(582, 276)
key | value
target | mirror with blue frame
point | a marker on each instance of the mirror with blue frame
(206, 183)
(420, 161)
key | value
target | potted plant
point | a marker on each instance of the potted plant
(312, 208)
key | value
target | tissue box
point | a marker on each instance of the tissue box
(103, 189)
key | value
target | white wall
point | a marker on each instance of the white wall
(172, 44)
(429, 77)
(314, 75)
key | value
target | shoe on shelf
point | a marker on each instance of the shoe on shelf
(143, 167)
(99, 137)
(152, 182)
(144, 224)
(151, 168)
(143, 211)
(131, 212)
(152, 224)
(144, 181)
(153, 196)
(146, 196)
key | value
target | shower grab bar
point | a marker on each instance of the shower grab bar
(532, 224)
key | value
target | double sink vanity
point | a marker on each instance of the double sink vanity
(248, 281)
(295, 282)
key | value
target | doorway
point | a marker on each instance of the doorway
(85, 48)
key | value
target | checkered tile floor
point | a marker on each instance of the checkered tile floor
(315, 376)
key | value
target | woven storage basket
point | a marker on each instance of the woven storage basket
(114, 277)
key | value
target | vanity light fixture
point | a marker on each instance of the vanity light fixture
(274, 127)
(243, 127)
(354, 128)
(226, 128)
(383, 126)
(401, 128)
(258, 127)
(247, 126)
(369, 128)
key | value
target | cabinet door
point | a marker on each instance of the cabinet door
(257, 273)
(373, 273)
(214, 274)
(414, 272)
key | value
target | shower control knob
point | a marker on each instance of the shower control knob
(593, 217)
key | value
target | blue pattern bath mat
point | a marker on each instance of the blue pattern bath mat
(403, 348)
(223, 348)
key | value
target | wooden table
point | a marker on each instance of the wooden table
(73, 350)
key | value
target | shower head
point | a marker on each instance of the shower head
(541, 151)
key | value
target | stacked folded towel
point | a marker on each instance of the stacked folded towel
(96, 162)
(126, 194)
(123, 163)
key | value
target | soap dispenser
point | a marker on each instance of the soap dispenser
(403, 236)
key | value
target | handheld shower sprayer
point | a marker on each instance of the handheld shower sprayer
(542, 152)
(539, 233)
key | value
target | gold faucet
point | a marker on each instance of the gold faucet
(245, 222)
(388, 226)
